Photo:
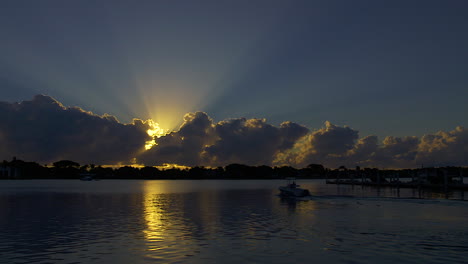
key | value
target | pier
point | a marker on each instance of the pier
(445, 178)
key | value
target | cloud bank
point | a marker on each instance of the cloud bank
(201, 141)
(45, 131)
(335, 146)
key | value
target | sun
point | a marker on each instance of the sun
(155, 131)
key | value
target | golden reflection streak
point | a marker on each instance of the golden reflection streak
(164, 233)
(160, 222)
(154, 214)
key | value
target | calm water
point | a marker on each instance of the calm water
(53, 221)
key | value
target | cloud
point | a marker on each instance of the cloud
(444, 148)
(44, 130)
(327, 145)
(183, 147)
(251, 141)
(335, 146)
(200, 141)
(397, 152)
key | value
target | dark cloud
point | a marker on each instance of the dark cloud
(444, 148)
(333, 140)
(330, 143)
(334, 146)
(44, 130)
(200, 141)
(184, 146)
(251, 141)
(397, 152)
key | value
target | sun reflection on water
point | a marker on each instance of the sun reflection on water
(154, 214)
(168, 233)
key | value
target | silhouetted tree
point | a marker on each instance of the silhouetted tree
(197, 172)
(66, 169)
(314, 171)
(127, 172)
(149, 172)
(263, 172)
(286, 171)
(62, 164)
(102, 173)
(237, 171)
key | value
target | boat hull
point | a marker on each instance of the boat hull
(293, 192)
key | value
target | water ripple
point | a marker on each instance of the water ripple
(226, 224)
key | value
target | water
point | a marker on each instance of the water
(111, 221)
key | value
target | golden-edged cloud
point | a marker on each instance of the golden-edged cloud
(44, 130)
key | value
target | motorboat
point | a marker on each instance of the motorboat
(292, 189)
(87, 177)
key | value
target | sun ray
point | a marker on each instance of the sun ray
(155, 131)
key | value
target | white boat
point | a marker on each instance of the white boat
(87, 176)
(292, 189)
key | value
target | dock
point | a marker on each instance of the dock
(446, 178)
(463, 187)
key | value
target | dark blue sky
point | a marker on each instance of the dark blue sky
(382, 67)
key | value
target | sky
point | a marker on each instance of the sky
(259, 82)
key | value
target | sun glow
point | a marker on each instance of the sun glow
(155, 131)
(168, 166)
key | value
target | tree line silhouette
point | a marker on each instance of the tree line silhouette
(67, 169)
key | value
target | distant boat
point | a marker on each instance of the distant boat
(87, 177)
(292, 189)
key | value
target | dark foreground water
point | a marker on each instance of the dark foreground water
(52, 221)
